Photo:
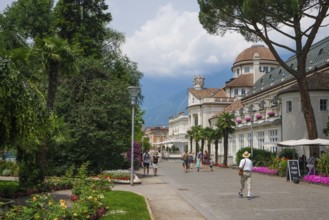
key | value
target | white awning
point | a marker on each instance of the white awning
(304, 142)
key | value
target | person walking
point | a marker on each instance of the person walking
(197, 164)
(146, 162)
(155, 161)
(206, 160)
(247, 166)
(185, 158)
(200, 157)
(190, 161)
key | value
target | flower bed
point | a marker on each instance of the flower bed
(317, 179)
(119, 176)
(265, 170)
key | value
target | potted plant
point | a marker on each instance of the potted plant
(270, 114)
(247, 119)
(238, 121)
(258, 116)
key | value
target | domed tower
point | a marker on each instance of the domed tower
(257, 60)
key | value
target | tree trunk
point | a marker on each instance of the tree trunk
(308, 113)
(52, 85)
(225, 147)
(216, 152)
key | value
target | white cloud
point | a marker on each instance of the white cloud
(174, 43)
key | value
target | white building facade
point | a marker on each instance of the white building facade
(264, 99)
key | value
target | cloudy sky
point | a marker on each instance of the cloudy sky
(166, 40)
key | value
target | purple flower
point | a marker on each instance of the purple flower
(258, 116)
(270, 114)
(265, 170)
(317, 179)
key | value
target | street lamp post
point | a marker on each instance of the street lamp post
(133, 91)
(251, 113)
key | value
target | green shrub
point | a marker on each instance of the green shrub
(7, 172)
(260, 157)
(323, 164)
(288, 153)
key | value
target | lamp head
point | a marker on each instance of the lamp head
(133, 92)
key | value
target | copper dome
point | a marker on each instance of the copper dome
(248, 54)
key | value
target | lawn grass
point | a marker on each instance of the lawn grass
(126, 205)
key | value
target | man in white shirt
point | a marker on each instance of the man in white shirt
(246, 165)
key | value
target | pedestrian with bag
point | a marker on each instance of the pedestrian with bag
(155, 161)
(245, 170)
(185, 158)
(146, 162)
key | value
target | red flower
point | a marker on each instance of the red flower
(74, 197)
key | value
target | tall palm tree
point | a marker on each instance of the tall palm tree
(57, 57)
(225, 123)
(197, 137)
(203, 137)
(217, 136)
(189, 135)
(209, 136)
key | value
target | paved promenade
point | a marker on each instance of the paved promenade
(214, 195)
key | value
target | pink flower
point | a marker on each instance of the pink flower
(270, 114)
(258, 116)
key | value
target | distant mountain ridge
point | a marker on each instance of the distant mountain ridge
(159, 115)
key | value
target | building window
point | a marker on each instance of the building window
(323, 104)
(196, 122)
(273, 135)
(241, 141)
(272, 68)
(237, 72)
(265, 69)
(236, 92)
(247, 69)
(249, 139)
(243, 92)
(260, 138)
(288, 106)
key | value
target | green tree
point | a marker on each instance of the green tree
(25, 20)
(197, 137)
(189, 135)
(23, 118)
(202, 137)
(96, 104)
(263, 20)
(83, 21)
(225, 123)
(58, 58)
(209, 134)
(217, 137)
